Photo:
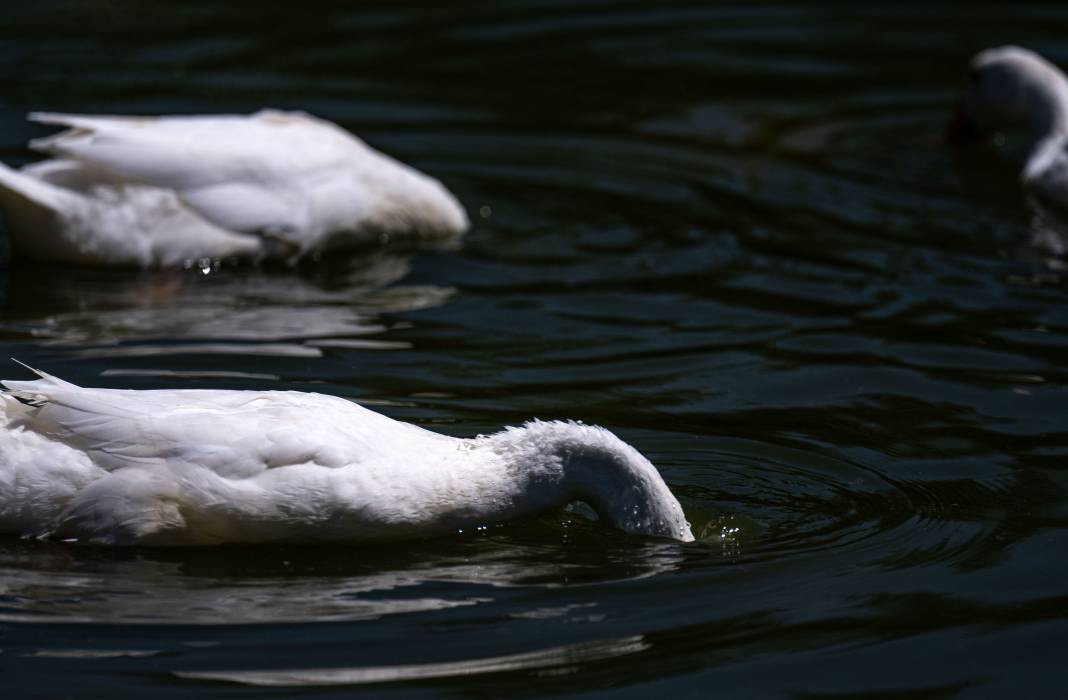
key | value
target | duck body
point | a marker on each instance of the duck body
(187, 467)
(161, 191)
(1012, 88)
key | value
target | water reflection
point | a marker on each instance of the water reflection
(50, 582)
(1037, 230)
(562, 658)
(99, 314)
(1049, 232)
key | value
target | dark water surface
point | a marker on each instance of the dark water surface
(730, 233)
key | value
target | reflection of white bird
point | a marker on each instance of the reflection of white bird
(1014, 88)
(171, 467)
(153, 191)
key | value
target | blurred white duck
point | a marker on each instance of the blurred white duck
(161, 191)
(1013, 88)
(178, 467)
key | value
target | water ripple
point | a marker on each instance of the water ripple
(730, 234)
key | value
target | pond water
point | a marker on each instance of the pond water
(729, 233)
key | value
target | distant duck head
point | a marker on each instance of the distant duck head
(1010, 88)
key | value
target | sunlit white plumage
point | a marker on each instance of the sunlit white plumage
(1013, 88)
(175, 467)
(160, 191)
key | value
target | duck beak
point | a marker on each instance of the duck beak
(961, 130)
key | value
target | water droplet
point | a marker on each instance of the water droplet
(485, 212)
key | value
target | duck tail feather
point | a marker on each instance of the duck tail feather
(29, 392)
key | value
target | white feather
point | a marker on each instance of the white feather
(173, 467)
(151, 191)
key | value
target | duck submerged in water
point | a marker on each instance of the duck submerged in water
(1011, 88)
(189, 467)
(162, 191)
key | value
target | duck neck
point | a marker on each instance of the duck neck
(1045, 106)
(556, 463)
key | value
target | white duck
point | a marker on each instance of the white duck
(179, 467)
(1013, 88)
(161, 191)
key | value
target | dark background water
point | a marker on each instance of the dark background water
(729, 232)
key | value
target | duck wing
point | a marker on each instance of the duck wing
(261, 173)
(236, 434)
